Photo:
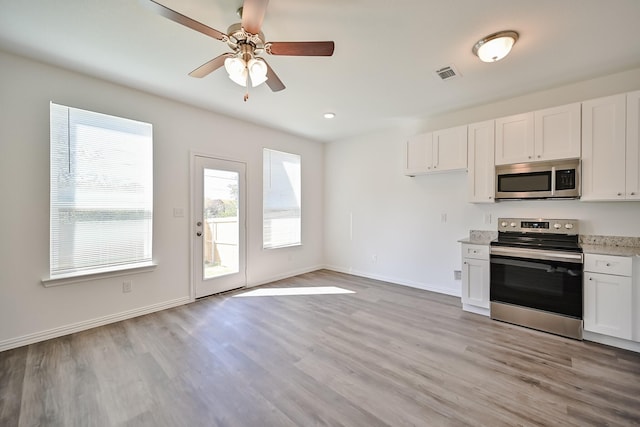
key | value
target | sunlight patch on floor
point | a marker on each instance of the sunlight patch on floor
(310, 290)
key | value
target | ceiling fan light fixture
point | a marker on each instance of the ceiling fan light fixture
(257, 71)
(237, 70)
(495, 46)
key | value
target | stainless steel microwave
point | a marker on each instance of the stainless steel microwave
(541, 180)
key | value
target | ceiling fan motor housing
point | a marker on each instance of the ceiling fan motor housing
(238, 37)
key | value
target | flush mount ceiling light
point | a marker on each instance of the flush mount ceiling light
(329, 115)
(495, 46)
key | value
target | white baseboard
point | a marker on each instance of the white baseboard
(396, 281)
(476, 310)
(88, 324)
(612, 341)
(285, 276)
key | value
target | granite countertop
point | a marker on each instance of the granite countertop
(610, 245)
(591, 244)
(480, 237)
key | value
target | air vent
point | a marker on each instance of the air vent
(447, 73)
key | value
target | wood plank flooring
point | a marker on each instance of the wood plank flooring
(385, 355)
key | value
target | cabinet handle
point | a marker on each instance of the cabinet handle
(538, 155)
(590, 278)
(529, 156)
(619, 194)
(608, 265)
(633, 194)
(490, 197)
(465, 262)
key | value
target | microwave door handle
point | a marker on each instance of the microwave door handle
(553, 180)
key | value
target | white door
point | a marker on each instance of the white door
(218, 225)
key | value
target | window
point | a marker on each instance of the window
(281, 199)
(101, 205)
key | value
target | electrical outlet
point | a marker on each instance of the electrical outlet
(443, 217)
(374, 258)
(457, 274)
(126, 286)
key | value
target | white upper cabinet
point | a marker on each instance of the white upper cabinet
(419, 154)
(450, 148)
(633, 146)
(557, 132)
(481, 178)
(514, 139)
(549, 134)
(439, 151)
(610, 152)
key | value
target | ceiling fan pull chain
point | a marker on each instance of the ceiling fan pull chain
(246, 84)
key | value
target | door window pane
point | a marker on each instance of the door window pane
(221, 231)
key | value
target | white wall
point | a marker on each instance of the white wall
(29, 311)
(372, 210)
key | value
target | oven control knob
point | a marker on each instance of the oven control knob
(504, 223)
(557, 226)
(568, 226)
(513, 224)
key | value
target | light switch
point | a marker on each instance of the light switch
(178, 212)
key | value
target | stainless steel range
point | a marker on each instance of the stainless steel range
(536, 275)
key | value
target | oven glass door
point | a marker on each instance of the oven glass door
(553, 286)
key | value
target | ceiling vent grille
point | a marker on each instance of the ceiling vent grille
(447, 73)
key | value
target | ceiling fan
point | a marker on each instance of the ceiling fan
(247, 42)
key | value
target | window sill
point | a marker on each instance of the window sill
(104, 273)
(292, 245)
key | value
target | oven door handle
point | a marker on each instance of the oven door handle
(537, 254)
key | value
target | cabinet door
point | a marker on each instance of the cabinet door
(481, 162)
(603, 148)
(514, 139)
(450, 149)
(633, 146)
(419, 154)
(475, 282)
(557, 132)
(607, 305)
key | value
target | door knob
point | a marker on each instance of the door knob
(199, 233)
(199, 223)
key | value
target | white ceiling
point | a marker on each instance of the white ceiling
(382, 71)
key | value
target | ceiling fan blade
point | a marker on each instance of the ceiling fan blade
(301, 48)
(253, 14)
(211, 66)
(185, 20)
(273, 81)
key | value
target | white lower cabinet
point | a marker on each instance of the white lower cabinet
(475, 278)
(609, 296)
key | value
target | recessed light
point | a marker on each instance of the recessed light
(329, 115)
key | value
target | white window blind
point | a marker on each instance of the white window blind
(281, 199)
(101, 205)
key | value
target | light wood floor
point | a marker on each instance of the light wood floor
(385, 356)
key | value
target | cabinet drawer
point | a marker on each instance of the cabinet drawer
(475, 251)
(608, 264)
